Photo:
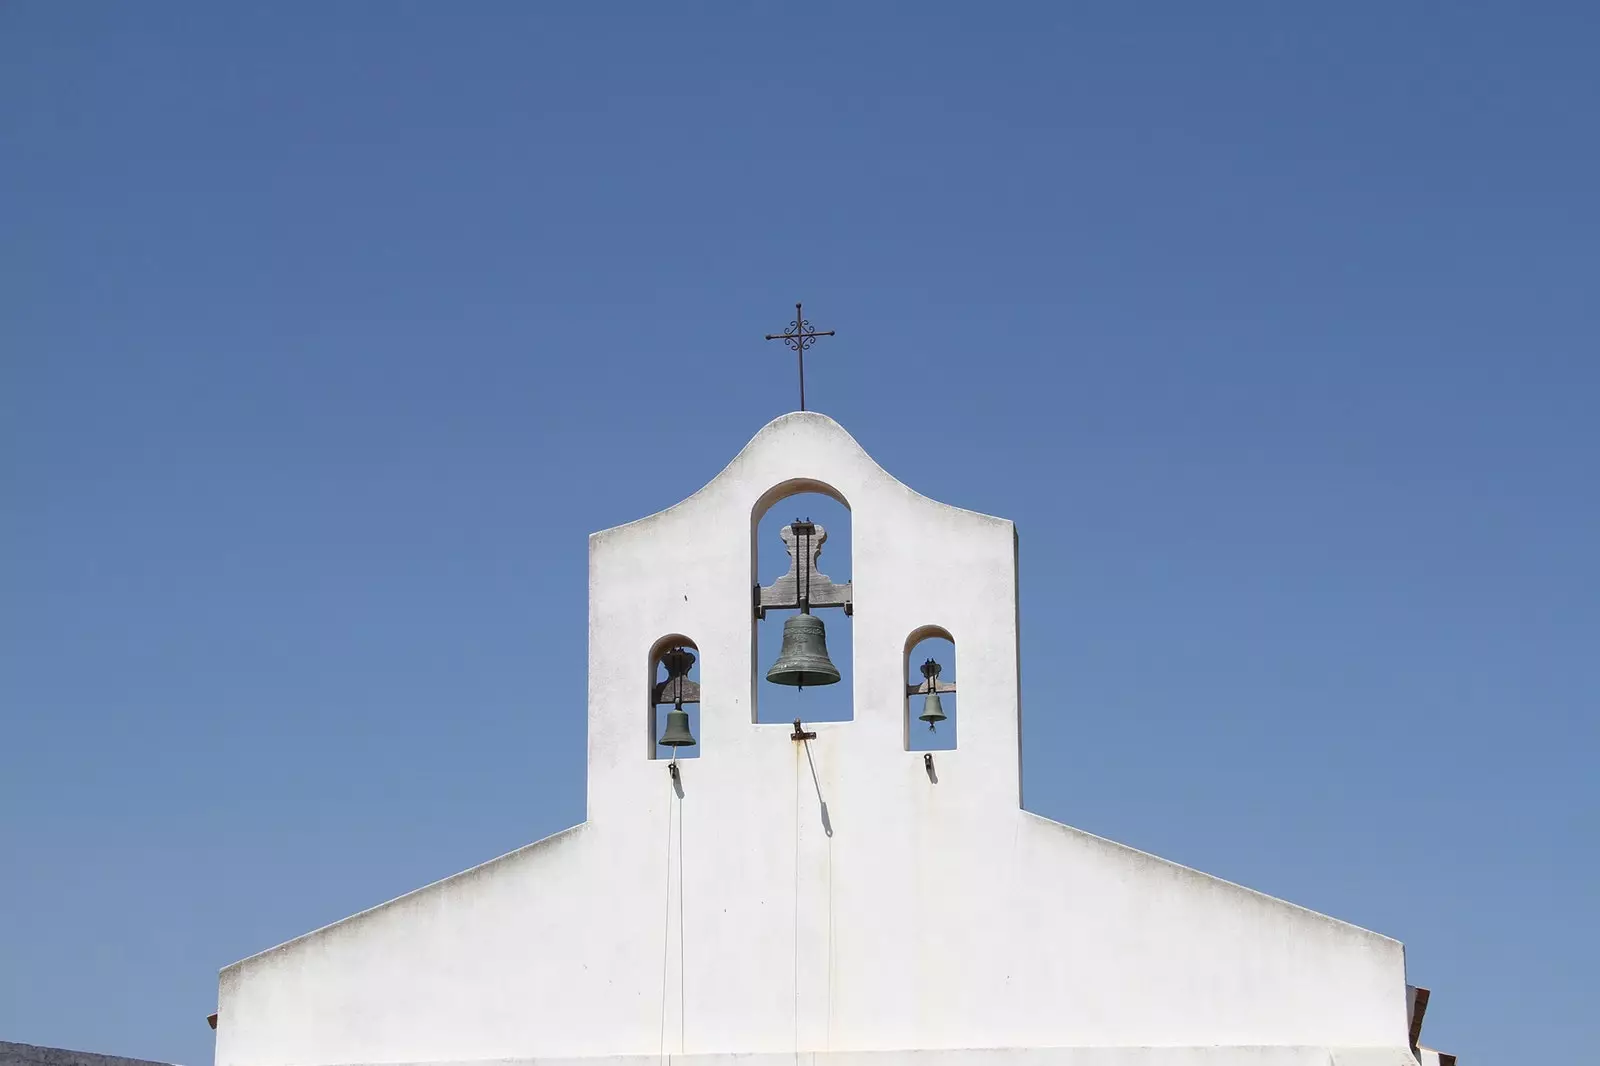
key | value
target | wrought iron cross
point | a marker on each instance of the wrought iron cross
(800, 336)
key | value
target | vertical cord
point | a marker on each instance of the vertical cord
(666, 934)
(830, 943)
(682, 1011)
(797, 903)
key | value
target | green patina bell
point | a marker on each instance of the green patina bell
(677, 734)
(803, 659)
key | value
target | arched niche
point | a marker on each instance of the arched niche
(772, 560)
(661, 689)
(923, 643)
(793, 487)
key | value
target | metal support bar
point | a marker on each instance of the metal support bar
(804, 587)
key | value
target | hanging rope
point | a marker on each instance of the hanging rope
(830, 942)
(666, 932)
(797, 902)
(682, 1028)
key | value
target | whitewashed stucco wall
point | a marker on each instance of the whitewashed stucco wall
(934, 916)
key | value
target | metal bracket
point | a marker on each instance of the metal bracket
(678, 687)
(801, 734)
(930, 681)
(784, 593)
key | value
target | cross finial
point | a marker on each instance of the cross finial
(800, 336)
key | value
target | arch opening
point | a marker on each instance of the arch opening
(779, 582)
(929, 666)
(673, 681)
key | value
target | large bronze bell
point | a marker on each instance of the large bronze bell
(803, 659)
(677, 734)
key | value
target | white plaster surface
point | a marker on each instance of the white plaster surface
(936, 920)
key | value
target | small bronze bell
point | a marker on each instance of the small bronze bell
(803, 659)
(677, 734)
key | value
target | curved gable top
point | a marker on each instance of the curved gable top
(802, 451)
(691, 569)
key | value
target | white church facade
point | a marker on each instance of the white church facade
(820, 891)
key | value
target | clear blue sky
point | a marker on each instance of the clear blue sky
(328, 333)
